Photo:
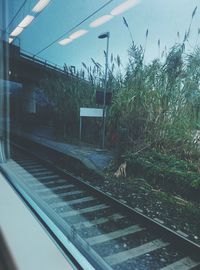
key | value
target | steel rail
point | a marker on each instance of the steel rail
(182, 242)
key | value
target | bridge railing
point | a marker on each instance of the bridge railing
(49, 64)
(4, 35)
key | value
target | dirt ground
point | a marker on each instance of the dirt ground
(172, 211)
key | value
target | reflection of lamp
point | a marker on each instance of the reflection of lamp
(101, 20)
(73, 36)
(26, 21)
(40, 5)
(10, 40)
(78, 34)
(65, 41)
(124, 7)
(105, 35)
(17, 31)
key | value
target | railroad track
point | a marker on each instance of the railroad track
(109, 234)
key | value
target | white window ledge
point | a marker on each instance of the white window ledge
(29, 244)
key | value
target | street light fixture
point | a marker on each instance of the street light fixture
(102, 36)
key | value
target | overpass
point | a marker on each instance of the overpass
(25, 68)
(29, 71)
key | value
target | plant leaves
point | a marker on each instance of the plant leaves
(185, 37)
(118, 61)
(147, 33)
(84, 65)
(194, 12)
(125, 22)
(111, 58)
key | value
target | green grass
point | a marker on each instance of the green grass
(166, 172)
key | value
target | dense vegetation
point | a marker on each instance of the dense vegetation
(157, 103)
(164, 171)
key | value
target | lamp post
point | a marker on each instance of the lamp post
(102, 36)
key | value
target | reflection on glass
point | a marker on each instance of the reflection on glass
(151, 93)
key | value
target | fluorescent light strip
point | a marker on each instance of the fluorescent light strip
(65, 41)
(10, 40)
(40, 5)
(17, 31)
(124, 7)
(72, 37)
(26, 21)
(101, 20)
(78, 34)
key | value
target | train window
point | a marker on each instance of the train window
(99, 126)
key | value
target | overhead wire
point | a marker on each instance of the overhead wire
(74, 27)
(16, 14)
(35, 16)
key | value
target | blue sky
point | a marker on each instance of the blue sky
(163, 19)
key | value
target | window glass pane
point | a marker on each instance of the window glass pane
(115, 84)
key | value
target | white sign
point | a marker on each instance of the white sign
(91, 112)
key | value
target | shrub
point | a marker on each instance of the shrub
(167, 172)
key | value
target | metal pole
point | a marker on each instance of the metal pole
(105, 90)
(80, 129)
(5, 97)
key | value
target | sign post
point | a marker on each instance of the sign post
(89, 112)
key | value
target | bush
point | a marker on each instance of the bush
(167, 172)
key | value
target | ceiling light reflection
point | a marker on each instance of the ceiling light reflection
(65, 41)
(78, 34)
(124, 7)
(101, 20)
(40, 5)
(26, 21)
(16, 31)
(10, 40)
